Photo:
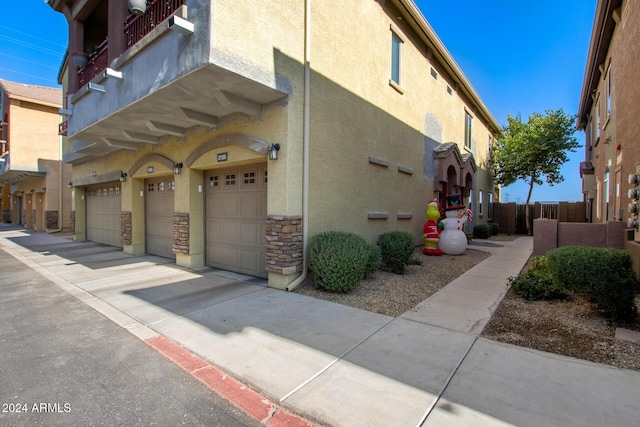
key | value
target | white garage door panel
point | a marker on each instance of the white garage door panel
(159, 216)
(236, 212)
(103, 204)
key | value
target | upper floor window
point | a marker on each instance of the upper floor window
(468, 121)
(396, 49)
(598, 123)
(608, 92)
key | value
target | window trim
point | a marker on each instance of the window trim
(396, 59)
(468, 129)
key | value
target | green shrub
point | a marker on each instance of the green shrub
(605, 275)
(340, 260)
(374, 259)
(396, 248)
(494, 228)
(481, 231)
(536, 283)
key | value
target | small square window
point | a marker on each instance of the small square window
(249, 178)
(150, 188)
(230, 179)
(214, 181)
(161, 186)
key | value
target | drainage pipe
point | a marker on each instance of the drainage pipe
(305, 143)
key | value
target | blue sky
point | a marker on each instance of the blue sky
(521, 57)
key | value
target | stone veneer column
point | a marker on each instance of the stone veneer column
(284, 244)
(51, 219)
(181, 233)
(126, 228)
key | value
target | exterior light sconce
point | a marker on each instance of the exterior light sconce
(95, 87)
(180, 25)
(70, 185)
(94, 174)
(123, 177)
(273, 151)
(176, 168)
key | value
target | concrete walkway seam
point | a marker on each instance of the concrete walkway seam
(241, 396)
(446, 384)
(337, 359)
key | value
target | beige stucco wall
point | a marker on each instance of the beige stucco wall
(33, 134)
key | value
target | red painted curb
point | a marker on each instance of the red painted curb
(229, 388)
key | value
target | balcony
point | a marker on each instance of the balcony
(158, 11)
(165, 84)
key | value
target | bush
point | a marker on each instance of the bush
(494, 228)
(396, 248)
(605, 275)
(481, 231)
(374, 259)
(340, 260)
(536, 283)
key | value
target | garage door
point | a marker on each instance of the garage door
(236, 217)
(159, 216)
(103, 213)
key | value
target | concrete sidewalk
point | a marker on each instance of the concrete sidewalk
(336, 365)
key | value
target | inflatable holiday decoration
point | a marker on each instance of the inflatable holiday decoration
(453, 241)
(431, 230)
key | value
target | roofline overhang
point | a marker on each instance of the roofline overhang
(432, 40)
(603, 27)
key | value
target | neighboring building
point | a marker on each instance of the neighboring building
(608, 110)
(171, 125)
(32, 175)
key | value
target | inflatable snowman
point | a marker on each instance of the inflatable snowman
(453, 241)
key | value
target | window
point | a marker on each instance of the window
(396, 41)
(609, 92)
(468, 120)
(480, 193)
(434, 73)
(598, 120)
(490, 207)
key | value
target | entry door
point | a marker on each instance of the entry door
(159, 216)
(236, 219)
(103, 203)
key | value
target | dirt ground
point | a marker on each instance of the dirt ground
(569, 327)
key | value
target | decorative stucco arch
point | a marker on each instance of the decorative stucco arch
(454, 171)
(152, 159)
(249, 148)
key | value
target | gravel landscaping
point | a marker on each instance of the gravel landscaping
(569, 327)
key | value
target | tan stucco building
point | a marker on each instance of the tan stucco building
(172, 129)
(608, 111)
(32, 175)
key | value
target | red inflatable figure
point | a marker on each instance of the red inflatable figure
(431, 230)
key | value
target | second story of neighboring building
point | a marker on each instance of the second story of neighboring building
(29, 130)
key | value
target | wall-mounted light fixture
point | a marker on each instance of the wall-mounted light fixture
(95, 87)
(176, 168)
(180, 25)
(70, 185)
(94, 173)
(273, 151)
(123, 177)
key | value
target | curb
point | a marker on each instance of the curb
(241, 396)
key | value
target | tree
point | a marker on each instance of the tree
(533, 150)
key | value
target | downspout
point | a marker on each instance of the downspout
(305, 143)
(60, 215)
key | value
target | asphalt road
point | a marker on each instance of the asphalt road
(62, 363)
